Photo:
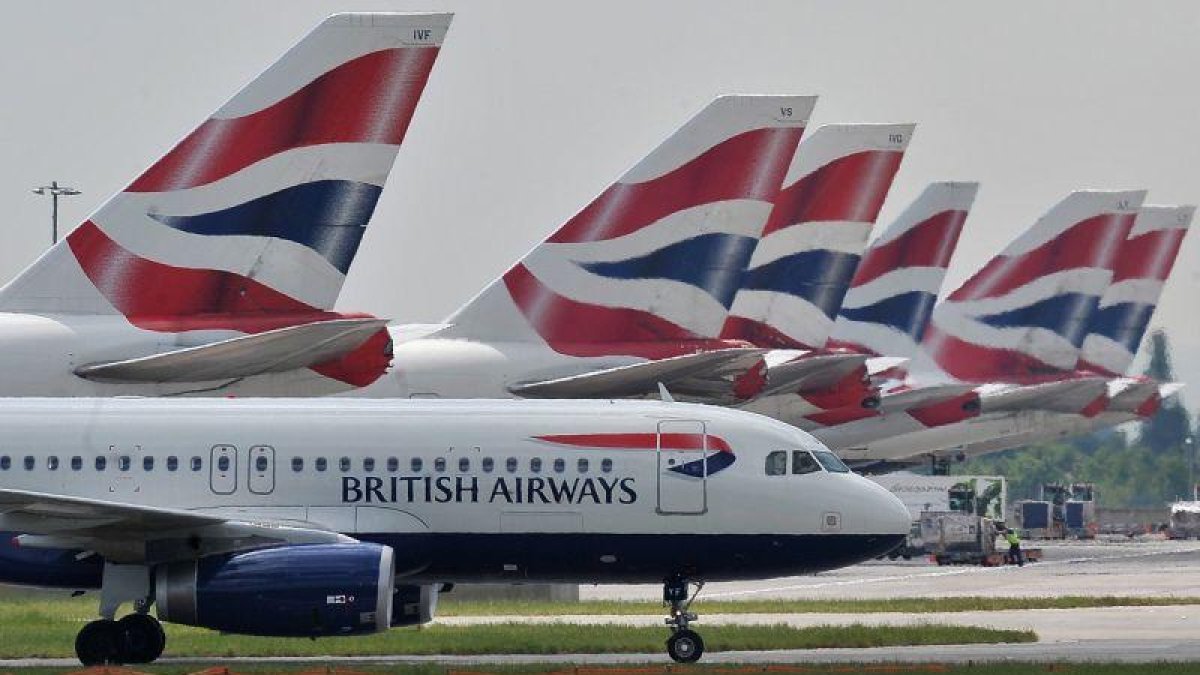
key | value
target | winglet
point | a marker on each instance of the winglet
(664, 394)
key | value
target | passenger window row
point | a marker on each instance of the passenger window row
(321, 464)
(123, 463)
(417, 464)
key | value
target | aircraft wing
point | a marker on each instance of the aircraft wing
(811, 372)
(274, 351)
(132, 533)
(639, 379)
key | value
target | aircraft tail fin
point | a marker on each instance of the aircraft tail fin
(1147, 257)
(810, 247)
(1023, 317)
(259, 211)
(894, 289)
(650, 266)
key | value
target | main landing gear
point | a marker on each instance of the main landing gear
(136, 638)
(684, 645)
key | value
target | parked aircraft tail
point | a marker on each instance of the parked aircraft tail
(649, 268)
(800, 270)
(1023, 317)
(896, 285)
(1147, 256)
(251, 222)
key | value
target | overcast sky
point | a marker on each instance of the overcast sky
(535, 107)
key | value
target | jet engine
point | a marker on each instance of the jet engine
(310, 590)
(414, 605)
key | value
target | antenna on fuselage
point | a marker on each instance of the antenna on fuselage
(664, 394)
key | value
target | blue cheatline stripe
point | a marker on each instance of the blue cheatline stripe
(328, 216)
(821, 277)
(707, 466)
(1067, 314)
(1123, 323)
(906, 312)
(710, 262)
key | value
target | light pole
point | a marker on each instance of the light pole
(55, 191)
(1190, 444)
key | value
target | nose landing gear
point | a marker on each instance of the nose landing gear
(684, 645)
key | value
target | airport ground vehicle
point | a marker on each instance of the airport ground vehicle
(1185, 520)
(1064, 510)
(953, 538)
(978, 498)
(324, 517)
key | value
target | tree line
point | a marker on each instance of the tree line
(1144, 465)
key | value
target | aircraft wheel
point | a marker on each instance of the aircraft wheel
(685, 646)
(99, 643)
(142, 638)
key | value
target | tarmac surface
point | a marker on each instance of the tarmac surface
(1117, 634)
(1145, 567)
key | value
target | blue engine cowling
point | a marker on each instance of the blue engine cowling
(414, 605)
(311, 590)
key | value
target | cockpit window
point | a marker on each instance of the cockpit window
(831, 462)
(777, 463)
(802, 462)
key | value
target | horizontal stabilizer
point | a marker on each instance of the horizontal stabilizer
(274, 351)
(811, 372)
(882, 365)
(921, 396)
(1065, 396)
(122, 532)
(1169, 389)
(639, 379)
(415, 331)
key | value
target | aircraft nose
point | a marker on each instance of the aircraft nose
(884, 512)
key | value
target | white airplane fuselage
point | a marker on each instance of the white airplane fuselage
(459, 368)
(41, 353)
(586, 492)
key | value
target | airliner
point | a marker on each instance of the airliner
(671, 274)
(329, 517)
(1115, 332)
(1012, 333)
(217, 269)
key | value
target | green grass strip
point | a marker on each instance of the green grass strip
(41, 636)
(701, 668)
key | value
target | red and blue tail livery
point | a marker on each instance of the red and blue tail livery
(257, 214)
(650, 267)
(250, 223)
(1147, 257)
(795, 281)
(1024, 316)
(892, 294)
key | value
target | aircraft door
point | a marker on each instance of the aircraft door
(222, 469)
(682, 469)
(125, 464)
(262, 469)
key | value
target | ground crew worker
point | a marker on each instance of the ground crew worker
(1014, 546)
